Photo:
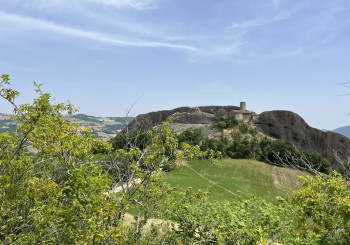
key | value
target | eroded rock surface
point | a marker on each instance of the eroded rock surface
(284, 125)
(289, 126)
(182, 115)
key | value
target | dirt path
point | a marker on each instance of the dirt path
(285, 178)
(280, 178)
(210, 181)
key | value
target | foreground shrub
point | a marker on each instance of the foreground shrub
(322, 207)
(65, 193)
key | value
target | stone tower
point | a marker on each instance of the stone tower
(242, 106)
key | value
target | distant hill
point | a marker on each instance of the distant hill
(343, 130)
(104, 127)
(7, 124)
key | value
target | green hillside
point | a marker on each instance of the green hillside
(235, 178)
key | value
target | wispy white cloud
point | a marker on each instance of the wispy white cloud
(200, 49)
(258, 21)
(135, 4)
(31, 23)
(236, 43)
(120, 4)
(327, 26)
(216, 52)
(125, 24)
(276, 3)
(332, 13)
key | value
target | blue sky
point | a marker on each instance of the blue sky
(103, 55)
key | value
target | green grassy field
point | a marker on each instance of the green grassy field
(235, 178)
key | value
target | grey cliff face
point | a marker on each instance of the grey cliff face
(286, 125)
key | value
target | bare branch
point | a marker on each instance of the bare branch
(207, 240)
(343, 159)
(296, 160)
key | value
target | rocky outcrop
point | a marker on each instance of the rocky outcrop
(286, 125)
(184, 115)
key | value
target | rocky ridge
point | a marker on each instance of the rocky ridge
(201, 116)
(284, 125)
(183, 118)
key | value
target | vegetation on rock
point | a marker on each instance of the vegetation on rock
(243, 141)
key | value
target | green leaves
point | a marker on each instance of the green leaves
(249, 221)
(56, 195)
(228, 122)
(7, 93)
(322, 207)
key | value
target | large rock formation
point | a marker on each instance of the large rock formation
(286, 125)
(202, 115)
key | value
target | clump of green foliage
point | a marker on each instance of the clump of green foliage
(245, 143)
(321, 208)
(225, 122)
(250, 221)
(68, 194)
(142, 139)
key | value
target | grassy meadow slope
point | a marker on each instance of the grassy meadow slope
(235, 178)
